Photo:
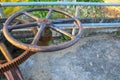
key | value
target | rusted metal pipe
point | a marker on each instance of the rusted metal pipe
(46, 37)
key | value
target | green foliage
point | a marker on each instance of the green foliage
(117, 34)
(64, 38)
(22, 40)
(42, 0)
(89, 0)
(10, 10)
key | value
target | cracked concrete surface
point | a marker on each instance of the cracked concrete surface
(92, 58)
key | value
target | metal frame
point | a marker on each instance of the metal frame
(58, 3)
(87, 25)
(1, 13)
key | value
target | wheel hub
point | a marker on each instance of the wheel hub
(44, 21)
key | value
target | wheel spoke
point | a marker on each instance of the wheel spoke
(38, 34)
(49, 13)
(30, 15)
(16, 23)
(62, 31)
(22, 26)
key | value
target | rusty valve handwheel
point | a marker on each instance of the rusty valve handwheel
(42, 23)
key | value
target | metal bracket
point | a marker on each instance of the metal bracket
(2, 15)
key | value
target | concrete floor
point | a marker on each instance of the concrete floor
(92, 58)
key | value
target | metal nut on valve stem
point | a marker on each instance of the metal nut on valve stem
(45, 37)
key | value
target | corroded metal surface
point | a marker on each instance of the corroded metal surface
(15, 62)
(42, 25)
(10, 73)
(14, 73)
(31, 48)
